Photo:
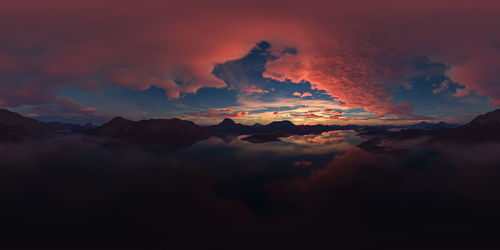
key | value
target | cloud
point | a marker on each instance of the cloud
(224, 113)
(442, 87)
(64, 109)
(305, 94)
(309, 116)
(332, 111)
(461, 92)
(354, 51)
(252, 89)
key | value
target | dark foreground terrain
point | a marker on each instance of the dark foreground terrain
(421, 188)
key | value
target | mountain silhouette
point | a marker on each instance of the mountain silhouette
(13, 127)
(61, 127)
(484, 128)
(228, 126)
(153, 131)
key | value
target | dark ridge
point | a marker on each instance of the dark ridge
(153, 131)
(13, 127)
(483, 129)
(281, 124)
(61, 127)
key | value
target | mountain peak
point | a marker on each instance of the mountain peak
(227, 122)
(15, 126)
(484, 128)
(491, 118)
(281, 124)
(118, 119)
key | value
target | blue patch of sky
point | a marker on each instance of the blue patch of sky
(441, 104)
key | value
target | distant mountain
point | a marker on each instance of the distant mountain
(484, 128)
(228, 126)
(278, 126)
(270, 132)
(281, 124)
(428, 126)
(154, 131)
(14, 127)
(227, 123)
(60, 127)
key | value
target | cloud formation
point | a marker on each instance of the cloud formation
(223, 113)
(356, 52)
(442, 87)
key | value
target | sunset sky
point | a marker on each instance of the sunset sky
(329, 62)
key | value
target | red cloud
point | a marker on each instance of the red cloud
(313, 116)
(305, 94)
(312, 111)
(224, 113)
(355, 51)
(309, 115)
(253, 89)
(332, 111)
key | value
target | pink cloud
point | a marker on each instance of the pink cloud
(462, 92)
(332, 111)
(253, 89)
(305, 94)
(355, 51)
(211, 113)
(312, 111)
(64, 108)
(309, 115)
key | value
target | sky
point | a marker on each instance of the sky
(310, 62)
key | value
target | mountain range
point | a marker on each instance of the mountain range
(153, 131)
(15, 127)
(484, 128)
